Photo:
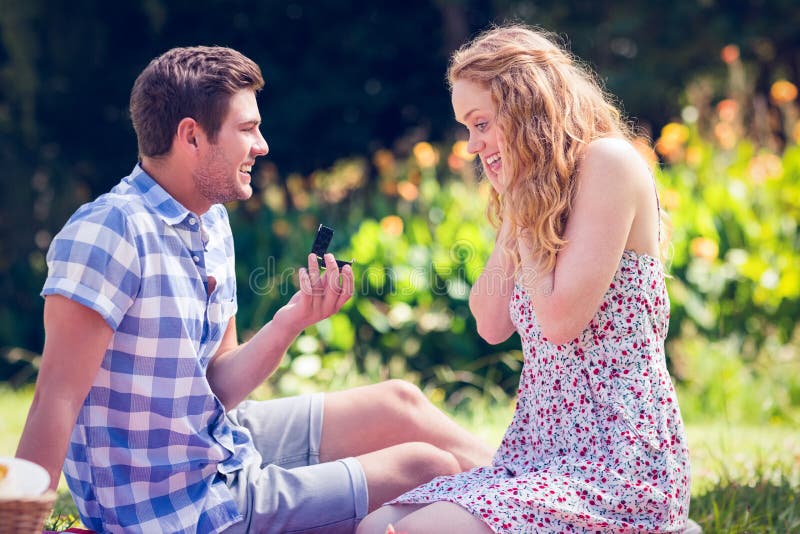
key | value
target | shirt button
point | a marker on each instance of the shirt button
(196, 259)
(192, 220)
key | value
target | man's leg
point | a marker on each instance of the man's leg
(375, 424)
(394, 470)
(369, 418)
(290, 491)
(400, 439)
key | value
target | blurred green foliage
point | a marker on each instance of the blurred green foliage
(343, 79)
(736, 244)
(733, 257)
(354, 91)
(732, 192)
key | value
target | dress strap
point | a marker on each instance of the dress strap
(658, 207)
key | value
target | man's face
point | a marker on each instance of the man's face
(223, 173)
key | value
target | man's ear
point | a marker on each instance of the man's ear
(187, 134)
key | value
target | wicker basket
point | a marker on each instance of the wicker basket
(26, 515)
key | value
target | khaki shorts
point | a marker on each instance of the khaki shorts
(291, 492)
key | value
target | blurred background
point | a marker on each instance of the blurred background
(357, 114)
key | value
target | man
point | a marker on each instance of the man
(142, 380)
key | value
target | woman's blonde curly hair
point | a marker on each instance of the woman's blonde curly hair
(549, 107)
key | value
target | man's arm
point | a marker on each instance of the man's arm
(237, 369)
(75, 343)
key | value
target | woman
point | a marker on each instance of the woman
(596, 442)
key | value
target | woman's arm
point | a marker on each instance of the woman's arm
(612, 181)
(490, 295)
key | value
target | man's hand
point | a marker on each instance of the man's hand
(321, 294)
(237, 369)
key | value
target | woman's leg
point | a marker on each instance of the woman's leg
(377, 521)
(431, 519)
(442, 517)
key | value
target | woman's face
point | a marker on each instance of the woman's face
(473, 107)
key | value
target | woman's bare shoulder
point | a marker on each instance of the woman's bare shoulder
(614, 160)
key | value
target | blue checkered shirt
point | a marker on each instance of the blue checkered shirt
(152, 442)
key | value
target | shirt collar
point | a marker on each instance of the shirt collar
(163, 204)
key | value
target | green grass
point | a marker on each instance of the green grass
(14, 409)
(745, 478)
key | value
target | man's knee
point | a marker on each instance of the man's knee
(429, 461)
(403, 395)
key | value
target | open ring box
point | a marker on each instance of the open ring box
(25, 498)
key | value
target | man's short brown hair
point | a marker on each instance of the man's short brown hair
(195, 82)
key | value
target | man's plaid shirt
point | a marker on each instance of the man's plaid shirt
(152, 443)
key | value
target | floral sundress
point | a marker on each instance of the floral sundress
(596, 443)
